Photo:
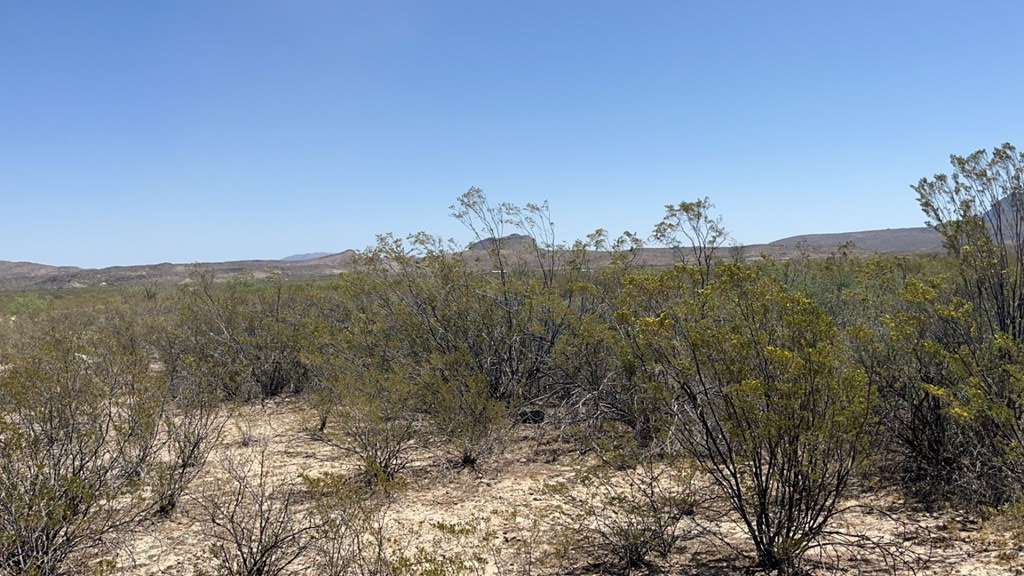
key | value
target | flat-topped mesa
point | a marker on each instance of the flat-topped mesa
(511, 242)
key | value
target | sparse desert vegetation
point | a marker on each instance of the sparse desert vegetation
(532, 408)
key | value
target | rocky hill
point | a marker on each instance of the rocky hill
(24, 276)
(30, 269)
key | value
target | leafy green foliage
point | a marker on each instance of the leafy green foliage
(979, 210)
(766, 400)
(966, 338)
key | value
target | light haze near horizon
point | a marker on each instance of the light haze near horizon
(144, 132)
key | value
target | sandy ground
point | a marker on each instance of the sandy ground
(506, 517)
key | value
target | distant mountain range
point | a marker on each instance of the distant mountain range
(310, 256)
(892, 240)
(28, 275)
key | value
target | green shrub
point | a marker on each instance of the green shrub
(765, 397)
(79, 413)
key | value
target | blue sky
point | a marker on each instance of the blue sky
(142, 132)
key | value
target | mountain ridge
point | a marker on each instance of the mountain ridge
(889, 240)
(309, 256)
(29, 275)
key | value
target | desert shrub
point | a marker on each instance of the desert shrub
(355, 535)
(853, 290)
(918, 343)
(765, 397)
(693, 234)
(27, 303)
(517, 310)
(422, 315)
(375, 423)
(979, 210)
(474, 330)
(461, 411)
(500, 304)
(351, 535)
(969, 335)
(952, 399)
(630, 520)
(79, 411)
(253, 521)
(594, 385)
(242, 336)
(364, 396)
(192, 427)
(593, 375)
(890, 309)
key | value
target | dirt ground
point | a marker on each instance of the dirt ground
(509, 521)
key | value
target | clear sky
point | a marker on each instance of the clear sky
(141, 132)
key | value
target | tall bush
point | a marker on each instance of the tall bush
(766, 400)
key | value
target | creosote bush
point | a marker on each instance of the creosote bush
(79, 415)
(765, 399)
(374, 423)
(620, 522)
(253, 520)
(244, 338)
(192, 427)
(352, 531)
